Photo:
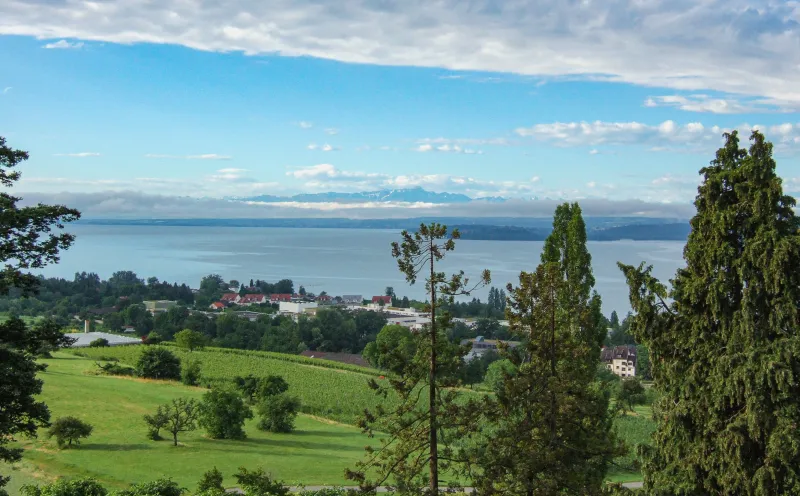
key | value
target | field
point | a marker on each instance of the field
(335, 391)
(317, 453)
(118, 452)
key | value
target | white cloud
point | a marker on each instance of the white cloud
(78, 155)
(331, 131)
(591, 184)
(312, 146)
(64, 45)
(206, 156)
(728, 105)
(305, 124)
(467, 141)
(7, 89)
(446, 148)
(667, 136)
(732, 46)
(323, 148)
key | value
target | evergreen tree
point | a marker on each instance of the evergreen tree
(723, 342)
(550, 430)
(415, 427)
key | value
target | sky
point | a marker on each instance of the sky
(156, 108)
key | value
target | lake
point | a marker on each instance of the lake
(339, 261)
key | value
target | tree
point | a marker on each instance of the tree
(84, 486)
(190, 374)
(99, 343)
(69, 431)
(434, 367)
(630, 393)
(497, 373)
(258, 483)
(27, 240)
(211, 482)
(190, 340)
(724, 343)
(278, 413)
(223, 414)
(392, 349)
(160, 487)
(247, 386)
(157, 421)
(271, 385)
(643, 363)
(552, 431)
(614, 320)
(158, 363)
(181, 415)
(301, 291)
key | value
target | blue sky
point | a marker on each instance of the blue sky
(614, 102)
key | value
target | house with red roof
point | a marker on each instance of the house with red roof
(386, 300)
(217, 305)
(277, 298)
(230, 298)
(252, 299)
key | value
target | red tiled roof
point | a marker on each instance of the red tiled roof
(218, 304)
(230, 297)
(386, 299)
(252, 298)
(280, 297)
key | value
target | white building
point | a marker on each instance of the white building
(296, 307)
(620, 360)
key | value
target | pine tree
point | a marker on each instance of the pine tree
(549, 430)
(723, 342)
(415, 427)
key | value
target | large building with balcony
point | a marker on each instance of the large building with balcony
(620, 360)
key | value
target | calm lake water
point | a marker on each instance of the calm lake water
(339, 261)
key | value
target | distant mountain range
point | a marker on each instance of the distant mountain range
(497, 229)
(406, 195)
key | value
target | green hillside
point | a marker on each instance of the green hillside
(327, 389)
(118, 452)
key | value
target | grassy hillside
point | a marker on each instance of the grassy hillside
(118, 452)
(327, 389)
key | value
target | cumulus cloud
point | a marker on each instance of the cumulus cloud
(667, 136)
(64, 45)
(446, 148)
(732, 46)
(331, 131)
(305, 124)
(78, 155)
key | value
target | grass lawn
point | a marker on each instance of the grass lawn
(118, 452)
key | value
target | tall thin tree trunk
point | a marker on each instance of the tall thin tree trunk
(174, 438)
(434, 463)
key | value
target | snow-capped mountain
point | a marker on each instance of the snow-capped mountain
(407, 195)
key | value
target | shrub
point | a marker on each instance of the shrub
(190, 374)
(223, 413)
(158, 363)
(631, 392)
(99, 343)
(160, 487)
(272, 385)
(190, 340)
(112, 368)
(278, 413)
(69, 431)
(259, 483)
(62, 487)
(211, 482)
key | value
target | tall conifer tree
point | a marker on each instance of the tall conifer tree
(724, 344)
(549, 430)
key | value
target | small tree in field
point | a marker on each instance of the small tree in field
(223, 414)
(211, 483)
(278, 413)
(190, 340)
(182, 415)
(247, 386)
(158, 363)
(69, 431)
(630, 392)
(156, 422)
(160, 487)
(190, 373)
(272, 385)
